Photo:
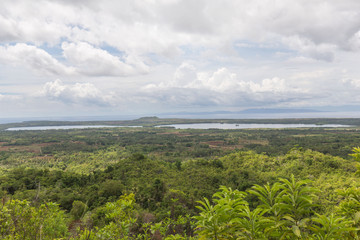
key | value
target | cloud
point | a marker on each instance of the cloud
(221, 87)
(9, 98)
(181, 52)
(43, 22)
(168, 25)
(93, 61)
(351, 84)
(84, 60)
(6, 26)
(33, 58)
(78, 93)
(354, 41)
(222, 80)
(184, 75)
(308, 48)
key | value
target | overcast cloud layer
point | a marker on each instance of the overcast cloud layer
(150, 56)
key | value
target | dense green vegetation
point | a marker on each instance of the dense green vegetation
(163, 183)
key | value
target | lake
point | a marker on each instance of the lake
(63, 127)
(247, 126)
(188, 126)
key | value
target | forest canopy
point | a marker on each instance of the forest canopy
(160, 183)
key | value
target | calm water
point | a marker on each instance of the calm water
(188, 126)
(64, 127)
(246, 126)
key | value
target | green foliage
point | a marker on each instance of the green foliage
(331, 227)
(284, 212)
(78, 209)
(251, 224)
(350, 206)
(356, 157)
(214, 221)
(145, 183)
(120, 216)
(297, 197)
(20, 220)
(270, 198)
(356, 154)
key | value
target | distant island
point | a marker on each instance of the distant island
(250, 111)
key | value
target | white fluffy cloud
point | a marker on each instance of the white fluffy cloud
(158, 26)
(33, 58)
(322, 51)
(222, 81)
(213, 53)
(97, 62)
(221, 87)
(83, 59)
(78, 93)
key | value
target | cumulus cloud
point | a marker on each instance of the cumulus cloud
(308, 48)
(33, 58)
(97, 62)
(220, 87)
(78, 93)
(249, 52)
(83, 59)
(43, 22)
(184, 75)
(169, 24)
(222, 80)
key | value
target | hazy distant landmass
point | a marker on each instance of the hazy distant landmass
(253, 111)
(208, 114)
(278, 110)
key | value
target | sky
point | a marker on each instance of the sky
(145, 57)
